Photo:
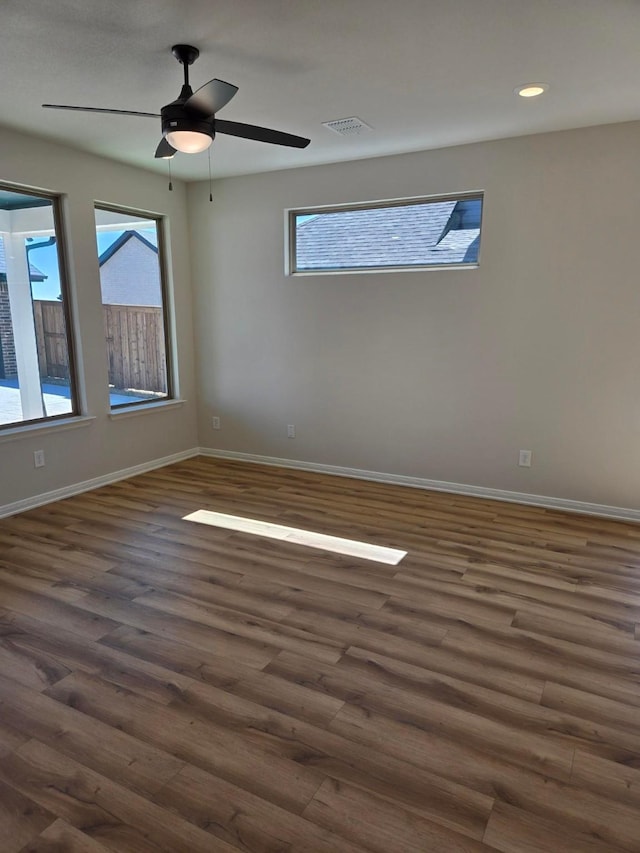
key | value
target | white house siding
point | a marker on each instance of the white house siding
(131, 276)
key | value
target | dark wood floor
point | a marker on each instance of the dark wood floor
(167, 686)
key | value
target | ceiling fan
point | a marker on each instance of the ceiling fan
(189, 123)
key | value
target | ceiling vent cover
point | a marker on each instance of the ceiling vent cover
(347, 126)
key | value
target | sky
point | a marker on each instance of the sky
(46, 260)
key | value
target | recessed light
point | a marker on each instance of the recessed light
(531, 90)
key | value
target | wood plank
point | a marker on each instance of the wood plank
(38, 638)
(31, 667)
(61, 837)
(584, 602)
(109, 751)
(435, 660)
(268, 690)
(405, 638)
(207, 745)
(33, 553)
(575, 807)
(393, 686)
(419, 589)
(374, 823)
(308, 746)
(69, 588)
(590, 706)
(276, 634)
(10, 738)
(252, 650)
(602, 673)
(268, 581)
(48, 609)
(20, 819)
(618, 781)
(209, 591)
(119, 818)
(514, 830)
(427, 701)
(240, 818)
(611, 636)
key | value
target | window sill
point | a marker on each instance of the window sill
(145, 409)
(377, 270)
(37, 429)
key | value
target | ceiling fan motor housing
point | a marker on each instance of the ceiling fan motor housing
(176, 117)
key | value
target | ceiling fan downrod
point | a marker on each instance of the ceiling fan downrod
(186, 54)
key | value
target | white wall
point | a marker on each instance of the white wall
(107, 445)
(440, 374)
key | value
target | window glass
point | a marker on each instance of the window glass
(130, 256)
(394, 235)
(36, 354)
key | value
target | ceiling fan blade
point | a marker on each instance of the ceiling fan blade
(260, 134)
(165, 151)
(213, 96)
(99, 110)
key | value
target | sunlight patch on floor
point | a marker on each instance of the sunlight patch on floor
(350, 547)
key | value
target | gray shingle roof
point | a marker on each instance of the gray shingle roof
(393, 236)
(36, 274)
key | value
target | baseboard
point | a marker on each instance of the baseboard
(95, 483)
(602, 510)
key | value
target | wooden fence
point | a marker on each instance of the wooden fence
(53, 356)
(135, 344)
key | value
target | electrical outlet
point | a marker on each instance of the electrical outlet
(291, 430)
(524, 460)
(38, 459)
(215, 422)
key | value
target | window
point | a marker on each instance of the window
(131, 260)
(37, 377)
(397, 235)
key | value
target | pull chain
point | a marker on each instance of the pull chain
(210, 187)
(170, 184)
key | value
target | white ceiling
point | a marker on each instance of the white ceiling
(422, 73)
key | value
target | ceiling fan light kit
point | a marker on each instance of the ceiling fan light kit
(188, 141)
(189, 123)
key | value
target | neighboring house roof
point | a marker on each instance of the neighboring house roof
(393, 236)
(460, 246)
(34, 273)
(120, 242)
(130, 273)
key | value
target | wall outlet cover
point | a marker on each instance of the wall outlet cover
(524, 459)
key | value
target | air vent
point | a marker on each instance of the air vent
(347, 126)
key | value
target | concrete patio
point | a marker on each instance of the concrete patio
(56, 401)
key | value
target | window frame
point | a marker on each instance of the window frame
(62, 254)
(160, 221)
(381, 204)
